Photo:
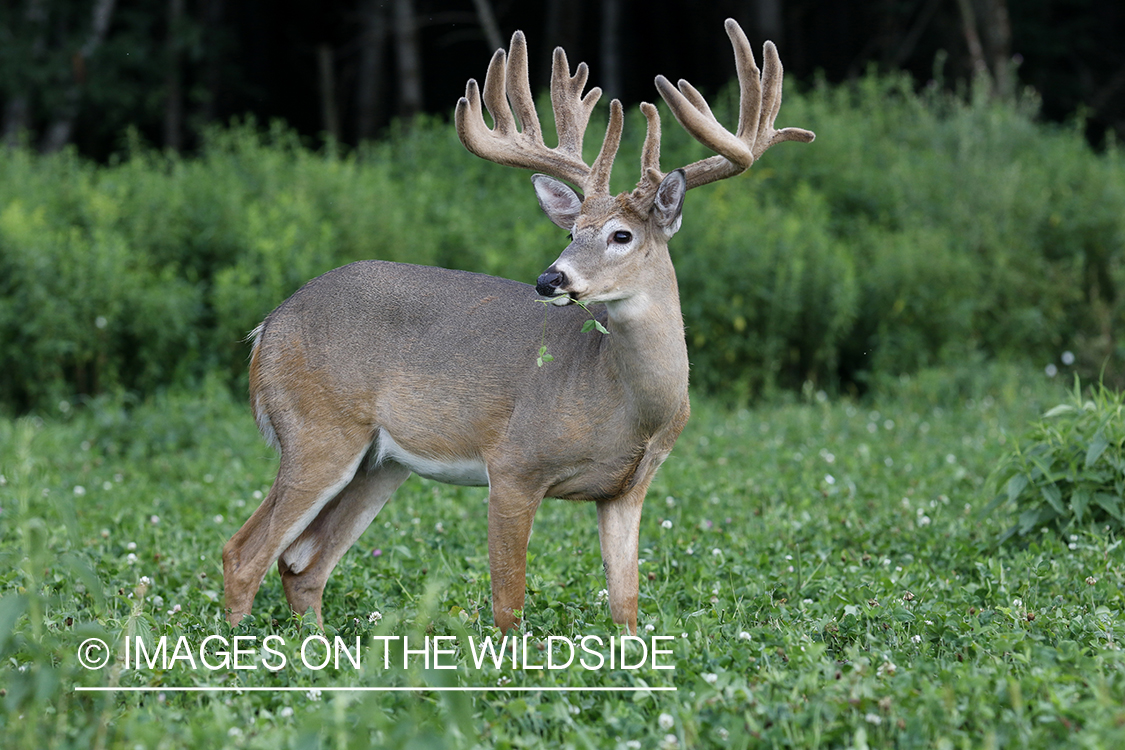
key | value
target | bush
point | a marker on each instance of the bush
(1069, 469)
(918, 230)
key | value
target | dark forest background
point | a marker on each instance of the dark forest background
(84, 71)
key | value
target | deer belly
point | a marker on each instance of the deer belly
(468, 472)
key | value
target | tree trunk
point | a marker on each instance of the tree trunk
(409, 60)
(369, 81)
(1000, 48)
(58, 134)
(972, 39)
(211, 40)
(768, 17)
(173, 82)
(17, 109)
(488, 24)
(611, 42)
(329, 116)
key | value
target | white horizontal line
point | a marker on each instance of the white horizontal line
(410, 689)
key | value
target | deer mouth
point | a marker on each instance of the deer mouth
(560, 299)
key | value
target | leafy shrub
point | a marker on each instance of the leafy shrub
(1070, 467)
(920, 229)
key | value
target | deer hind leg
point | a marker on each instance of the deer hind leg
(304, 484)
(510, 514)
(309, 560)
(619, 528)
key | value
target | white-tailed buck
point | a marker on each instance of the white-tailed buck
(376, 370)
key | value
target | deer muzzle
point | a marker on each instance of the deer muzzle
(552, 284)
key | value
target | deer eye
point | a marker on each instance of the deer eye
(622, 237)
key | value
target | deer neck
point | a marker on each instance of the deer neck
(647, 351)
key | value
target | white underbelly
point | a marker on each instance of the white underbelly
(462, 471)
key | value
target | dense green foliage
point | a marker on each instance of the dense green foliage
(918, 229)
(823, 567)
(1069, 469)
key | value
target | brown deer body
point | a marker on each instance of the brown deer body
(377, 370)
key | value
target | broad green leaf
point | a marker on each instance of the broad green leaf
(1079, 502)
(1053, 496)
(1058, 410)
(1111, 504)
(1097, 447)
(1016, 485)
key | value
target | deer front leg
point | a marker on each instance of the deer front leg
(619, 528)
(510, 514)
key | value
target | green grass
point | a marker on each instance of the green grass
(823, 568)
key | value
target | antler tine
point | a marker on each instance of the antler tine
(771, 105)
(760, 102)
(518, 86)
(572, 110)
(651, 175)
(507, 90)
(603, 165)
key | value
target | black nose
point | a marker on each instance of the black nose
(550, 283)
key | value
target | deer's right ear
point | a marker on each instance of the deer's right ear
(558, 200)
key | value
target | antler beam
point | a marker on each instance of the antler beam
(760, 103)
(521, 144)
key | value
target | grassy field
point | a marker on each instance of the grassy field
(822, 567)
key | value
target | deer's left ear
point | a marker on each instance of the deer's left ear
(558, 200)
(668, 207)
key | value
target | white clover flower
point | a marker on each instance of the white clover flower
(916, 639)
(666, 523)
(669, 501)
(131, 558)
(286, 712)
(218, 518)
(666, 721)
(603, 596)
(375, 617)
(888, 669)
(107, 485)
(154, 519)
(1067, 358)
(131, 546)
(716, 552)
(79, 490)
(873, 718)
(1090, 581)
(1051, 370)
(670, 741)
(829, 479)
(313, 695)
(234, 732)
(649, 628)
(146, 581)
(710, 678)
(743, 636)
